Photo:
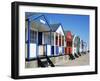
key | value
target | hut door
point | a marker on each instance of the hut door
(40, 38)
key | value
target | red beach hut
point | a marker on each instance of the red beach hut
(68, 49)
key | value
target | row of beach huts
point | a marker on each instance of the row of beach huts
(44, 39)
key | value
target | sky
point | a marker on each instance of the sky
(77, 24)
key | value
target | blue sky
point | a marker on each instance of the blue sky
(77, 24)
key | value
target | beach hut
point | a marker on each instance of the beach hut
(38, 40)
(69, 40)
(37, 36)
(57, 39)
(76, 46)
(83, 46)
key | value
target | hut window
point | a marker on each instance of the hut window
(33, 36)
(47, 38)
(69, 43)
(52, 38)
(60, 40)
(56, 39)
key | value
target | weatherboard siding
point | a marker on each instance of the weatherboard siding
(32, 50)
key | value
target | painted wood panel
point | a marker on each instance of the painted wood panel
(40, 48)
(57, 50)
(60, 30)
(60, 50)
(48, 50)
(63, 50)
(32, 50)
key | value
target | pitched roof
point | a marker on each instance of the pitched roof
(39, 22)
(31, 14)
(67, 32)
(54, 27)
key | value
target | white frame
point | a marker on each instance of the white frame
(36, 71)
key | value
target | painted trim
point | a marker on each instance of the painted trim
(37, 48)
(62, 28)
(28, 42)
(31, 17)
(47, 22)
(73, 45)
(42, 37)
(46, 49)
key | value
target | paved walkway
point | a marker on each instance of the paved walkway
(63, 61)
(80, 61)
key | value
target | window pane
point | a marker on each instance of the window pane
(59, 40)
(52, 39)
(46, 38)
(56, 39)
(33, 36)
(62, 40)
